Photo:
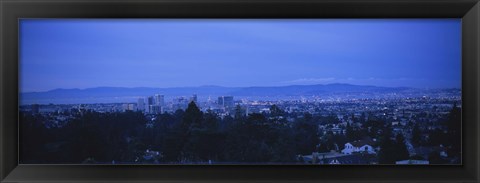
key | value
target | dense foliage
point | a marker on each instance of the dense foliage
(196, 137)
(189, 136)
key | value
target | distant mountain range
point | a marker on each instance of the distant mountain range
(292, 90)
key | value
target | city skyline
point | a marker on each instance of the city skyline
(57, 53)
(297, 92)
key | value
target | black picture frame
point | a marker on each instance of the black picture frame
(12, 10)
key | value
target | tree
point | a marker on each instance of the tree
(308, 118)
(400, 148)
(454, 129)
(256, 139)
(210, 121)
(437, 137)
(31, 149)
(374, 127)
(329, 141)
(350, 134)
(387, 148)
(416, 135)
(203, 144)
(306, 136)
(239, 113)
(352, 117)
(192, 118)
(281, 147)
(172, 145)
(435, 158)
(392, 150)
(275, 111)
(363, 118)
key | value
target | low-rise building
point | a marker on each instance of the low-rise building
(366, 146)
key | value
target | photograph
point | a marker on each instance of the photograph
(363, 91)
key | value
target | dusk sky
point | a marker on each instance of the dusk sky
(86, 53)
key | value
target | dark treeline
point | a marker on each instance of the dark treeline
(189, 136)
(193, 136)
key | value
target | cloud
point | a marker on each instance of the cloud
(375, 81)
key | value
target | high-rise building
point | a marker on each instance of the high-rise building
(220, 101)
(226, 101)
(159, 100)
(141, 104)
(155, 109)
(128, 107)
(150, 102)
(132, 107)
(180, 103)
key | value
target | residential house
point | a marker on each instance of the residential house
(365, 145)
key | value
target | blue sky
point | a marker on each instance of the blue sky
(85, 53)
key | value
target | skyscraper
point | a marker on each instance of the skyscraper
(150, 100)
(128, 107)
(228, 101)
(220, 101)
(159, 100)
(225, 101)
(155, 109)
(150, 103)
(180, 103)
(141, 104)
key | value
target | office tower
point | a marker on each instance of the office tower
(180, 103)
(226, 101)
(159, 100)
(131, 107)
(150, 102)
(220, 101)
(155, 109)
(141, 104)
(128, 107)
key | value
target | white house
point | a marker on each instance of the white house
(365, 145)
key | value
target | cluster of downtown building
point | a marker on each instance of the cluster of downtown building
(149, 105)
(156, 104)
(399, 111)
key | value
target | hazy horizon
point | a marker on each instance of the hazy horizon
(168, 53)
(153, 87)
